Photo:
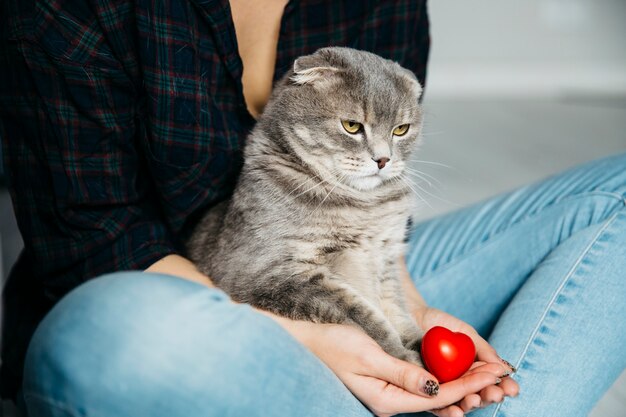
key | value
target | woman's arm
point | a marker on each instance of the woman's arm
(181, 267)
(79, 189)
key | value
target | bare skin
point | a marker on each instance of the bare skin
(257, 24)
(386, 385)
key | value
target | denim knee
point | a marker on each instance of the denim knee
(112, 331)
(146, 344)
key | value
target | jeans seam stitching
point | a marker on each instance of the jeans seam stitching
(556, 293)
(490, 240)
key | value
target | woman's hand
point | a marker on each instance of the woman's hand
(430, 317)
(427, 318)
(386, 385)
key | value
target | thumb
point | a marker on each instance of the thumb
(485, 352)
(408, 376)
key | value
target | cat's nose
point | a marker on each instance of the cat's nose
(381, 162)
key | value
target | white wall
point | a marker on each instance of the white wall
(521, 48)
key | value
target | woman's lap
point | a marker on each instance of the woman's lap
(135, 344)
(539, 272)
(526, 269)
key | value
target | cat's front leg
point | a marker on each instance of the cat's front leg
(319, 297)
(394, 307)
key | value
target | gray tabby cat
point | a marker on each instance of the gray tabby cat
(316, 224)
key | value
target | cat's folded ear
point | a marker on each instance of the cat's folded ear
(314, 70)
(410, 78)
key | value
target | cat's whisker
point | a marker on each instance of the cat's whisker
(311, 188)
(398, 180)
(333, 172)
(313, 195)
(328, 194)
(429, 193)
(408, 171)
(423, 175)
(298, 187)
(406, 182)
(416, 184)
(287, 198)
(432, 163)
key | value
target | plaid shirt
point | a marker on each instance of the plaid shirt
(122, 120)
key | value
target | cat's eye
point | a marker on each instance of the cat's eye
(351, 126)
(401, 130)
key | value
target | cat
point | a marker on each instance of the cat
(316, 225)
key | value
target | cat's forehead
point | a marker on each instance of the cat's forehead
(378, 90)
(376, 100)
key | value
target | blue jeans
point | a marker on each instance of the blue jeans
(540, 272)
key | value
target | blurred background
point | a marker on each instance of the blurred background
(517, 91)
(520, 90)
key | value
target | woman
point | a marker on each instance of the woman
(125, 120)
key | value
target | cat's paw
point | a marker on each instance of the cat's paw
(414, 344)
(412, 357)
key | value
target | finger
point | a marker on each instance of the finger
(405, 375)
(406, 402)
(493, 368)
(450, 411)
(509, 365)
(494, 394)
(469, 384)
(477, 364)
(486, 353)
(507, 384)
(490, 395)
(470, 402)
(454, 391)
(510, 387)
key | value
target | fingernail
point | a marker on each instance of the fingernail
(431, 388)
(507, 363)
(504, 375)
(498, 380)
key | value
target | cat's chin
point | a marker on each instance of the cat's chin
(366, 183)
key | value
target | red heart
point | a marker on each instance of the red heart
(446, 354)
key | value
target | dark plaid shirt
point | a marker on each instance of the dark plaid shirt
(122, 120)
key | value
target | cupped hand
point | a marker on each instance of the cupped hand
(487, 360)
(386, 385)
